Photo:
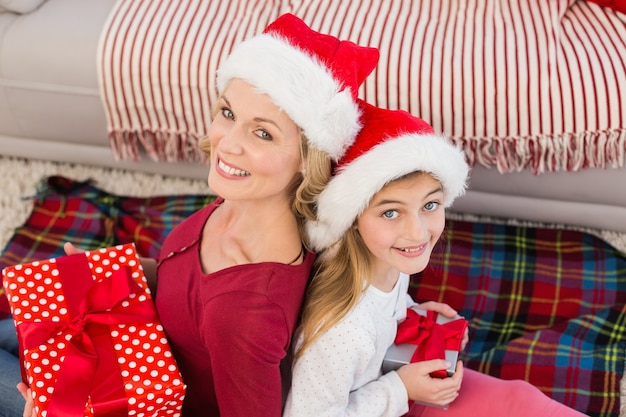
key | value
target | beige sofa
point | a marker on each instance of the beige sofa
(51, 107)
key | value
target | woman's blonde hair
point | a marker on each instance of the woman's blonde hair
(315, 176)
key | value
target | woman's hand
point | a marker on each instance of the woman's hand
(29, 408)
(70, 249)
(420, 386)
(447, 311)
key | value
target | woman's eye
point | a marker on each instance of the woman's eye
(390, 214)
(227, 113)
(263, 134)
(431, 206)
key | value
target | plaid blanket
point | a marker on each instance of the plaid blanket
(544, 305)
(65, 210)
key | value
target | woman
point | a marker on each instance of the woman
(231, 278)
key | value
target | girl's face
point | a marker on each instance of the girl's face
(402, 224)
(255, 147)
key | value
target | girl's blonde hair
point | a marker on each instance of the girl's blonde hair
(342, 274)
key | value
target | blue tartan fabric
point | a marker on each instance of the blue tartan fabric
(544, 305)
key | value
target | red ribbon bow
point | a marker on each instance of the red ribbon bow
(432, 339)
(90, 366)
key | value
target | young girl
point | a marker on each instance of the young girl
(377, 222)
(231, 277)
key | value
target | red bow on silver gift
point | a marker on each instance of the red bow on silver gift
(432, 339)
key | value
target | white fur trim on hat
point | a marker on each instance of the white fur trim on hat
(350, 191)
(301, 86)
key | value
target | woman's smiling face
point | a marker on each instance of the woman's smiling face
(255, 146)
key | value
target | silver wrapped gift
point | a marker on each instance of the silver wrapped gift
(400, 354)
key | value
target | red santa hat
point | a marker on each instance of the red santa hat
(313, 77)
(392, 143)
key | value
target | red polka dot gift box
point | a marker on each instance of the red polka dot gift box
(90, 338)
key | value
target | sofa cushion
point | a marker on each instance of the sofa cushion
(48, 72)
(19, 6)
(520, 85)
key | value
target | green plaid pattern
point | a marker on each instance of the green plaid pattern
(544, 305)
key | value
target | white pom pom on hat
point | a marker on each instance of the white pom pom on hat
(392, 143)
(313, 77)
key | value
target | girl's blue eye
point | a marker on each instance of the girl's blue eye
(390, 214)
(431, 206)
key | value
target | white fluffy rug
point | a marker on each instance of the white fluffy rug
(21, 176)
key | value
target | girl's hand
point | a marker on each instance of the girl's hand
(420, 386)
(29, 408)
(447, 311)
(441, 308)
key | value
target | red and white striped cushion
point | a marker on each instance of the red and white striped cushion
(519, 84)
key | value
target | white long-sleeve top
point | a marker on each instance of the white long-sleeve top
(340, 374)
